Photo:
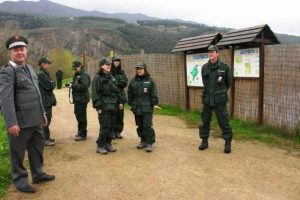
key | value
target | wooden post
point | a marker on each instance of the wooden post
(261, 83)
(187, 94)
(233, 83)
(83, 59)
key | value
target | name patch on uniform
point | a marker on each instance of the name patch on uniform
(221, 76)
(146, 86)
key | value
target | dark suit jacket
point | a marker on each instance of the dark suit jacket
(21, 103)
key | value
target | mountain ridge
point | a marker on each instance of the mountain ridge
(49, 8)
(97, 35)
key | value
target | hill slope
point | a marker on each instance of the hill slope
(98, 35)
(152, 36)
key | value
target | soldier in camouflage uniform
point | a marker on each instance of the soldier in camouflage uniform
(80, 93)
(46, 86)
(121, 81)
(217, 80)
(107, 100)
(142, 98)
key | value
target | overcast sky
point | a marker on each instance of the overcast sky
(282, 17)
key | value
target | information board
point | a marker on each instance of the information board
(246, 62)
(194, 63)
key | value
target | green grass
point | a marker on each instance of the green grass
(266, 133)
(242, 130)
(5, 178)
(191, 118)
(66, 80)
(169, 110)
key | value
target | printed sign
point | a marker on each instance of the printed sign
(246, 62)
(194, 63)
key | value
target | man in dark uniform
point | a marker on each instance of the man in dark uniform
(59, 76)
(217, 80)
(80, 92)
(121, 81)
(46, 86)
(24, 114)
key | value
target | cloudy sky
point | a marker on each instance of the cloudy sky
(282, 17)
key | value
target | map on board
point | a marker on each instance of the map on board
(246, 62)
(194, 63)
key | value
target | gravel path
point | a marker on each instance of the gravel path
(175, 170)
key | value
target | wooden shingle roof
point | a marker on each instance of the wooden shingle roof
(197, 42)
(256, 34)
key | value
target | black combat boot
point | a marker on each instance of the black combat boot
(227, 148)
(204, 144)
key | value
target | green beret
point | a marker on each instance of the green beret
(16, 41)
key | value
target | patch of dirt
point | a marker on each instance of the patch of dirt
(176, 169)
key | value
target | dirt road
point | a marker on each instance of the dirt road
(176, 169)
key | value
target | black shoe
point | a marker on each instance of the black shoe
(227, 148)
(43, 178)
(27, 189)
(79, 138)
(113, 137)
(204, 144)
(118, 135)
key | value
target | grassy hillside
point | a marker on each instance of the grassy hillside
(97, 35)
(25, 21)
(288, 39)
